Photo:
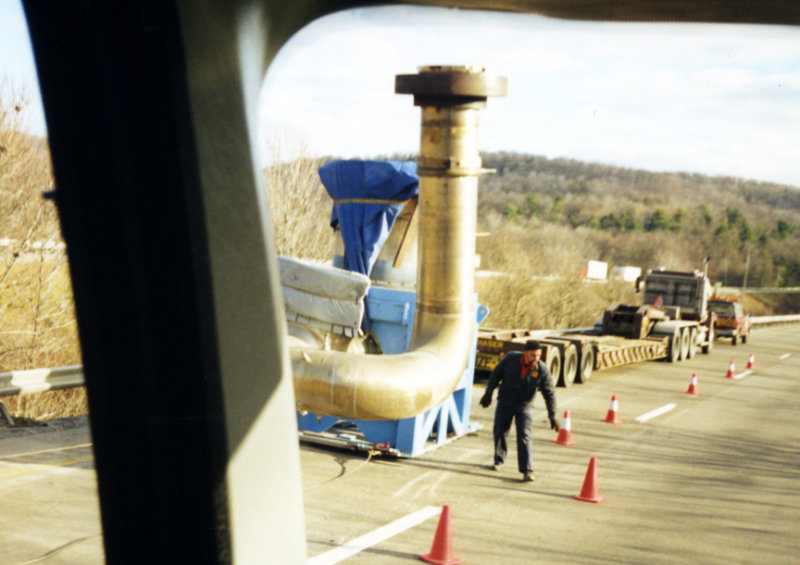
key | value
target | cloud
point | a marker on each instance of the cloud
(701, 98)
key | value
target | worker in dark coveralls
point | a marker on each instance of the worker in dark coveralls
(519, 375)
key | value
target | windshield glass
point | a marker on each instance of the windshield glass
(721, 308)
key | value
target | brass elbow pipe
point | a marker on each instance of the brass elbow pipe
(389, 387)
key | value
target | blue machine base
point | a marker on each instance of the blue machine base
(408, 437)
(391, 314)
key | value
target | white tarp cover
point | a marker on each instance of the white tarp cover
(322, 296)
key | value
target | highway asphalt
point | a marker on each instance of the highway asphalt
(708, 478)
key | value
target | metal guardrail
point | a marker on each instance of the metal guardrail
(40, 380)
(737, 290)
(775, 320)
(37, 380)
(27, 246)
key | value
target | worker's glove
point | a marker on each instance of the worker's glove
(486, 400)
(554, 425)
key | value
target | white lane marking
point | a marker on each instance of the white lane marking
(742, 374)
(657, 412)
(785, 356)
(374, 537)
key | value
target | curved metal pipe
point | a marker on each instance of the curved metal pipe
(388, 387)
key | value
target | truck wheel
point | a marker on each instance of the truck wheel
(481, 375)
(569, 366)
(684, 354)
(709, 345)
(586, 365)
(692, 343)
(553, 362)
(674, 353)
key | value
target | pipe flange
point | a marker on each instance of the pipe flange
(441, 85)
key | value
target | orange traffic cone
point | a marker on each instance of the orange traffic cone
(751, 362)
(611, 415)
(565, 434)
(442, 548)
(589, 492)
(693, 385)
(731, 371)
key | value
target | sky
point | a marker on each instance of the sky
(698, 98)
(17, 69)
(710, 99)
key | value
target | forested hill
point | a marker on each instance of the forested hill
(573, 211)
(582, 187)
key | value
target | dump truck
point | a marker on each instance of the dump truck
(671, 324)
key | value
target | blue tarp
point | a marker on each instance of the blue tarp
(367, 197)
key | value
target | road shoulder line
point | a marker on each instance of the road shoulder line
(374, 537)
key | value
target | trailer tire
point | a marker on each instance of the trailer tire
(684, 353)
(734, 339)
(553, 362)
(481, 375)
(586, 364)
(692, 343)
(674, 352)
(569, 366)
(745, 337)
(710, 342)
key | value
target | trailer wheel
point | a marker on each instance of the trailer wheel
(684, 353)
(745, 337)
(553, 362)
(709, 345)
(586, 364)
(734, 339)
(692, 343)
(481, 375)
(674, 354)
(569, 366)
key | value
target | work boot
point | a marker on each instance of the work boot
(497, 466)
(527, 477)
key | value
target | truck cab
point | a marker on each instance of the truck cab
(683, 295)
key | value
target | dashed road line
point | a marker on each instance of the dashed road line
(785, 356)
(657, 412)
(374, 537)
